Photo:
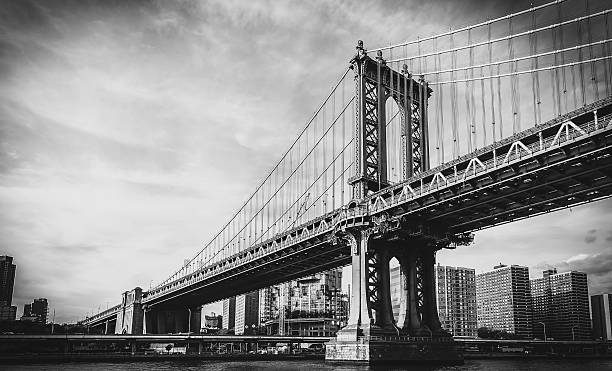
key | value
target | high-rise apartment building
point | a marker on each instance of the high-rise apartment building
(601, 307)
(7, 280)
(456, 297)
(310, 306)
(37, 311)
(229, 313)
(503, 300)
(541, 303)
(561, 305)
(247, 313)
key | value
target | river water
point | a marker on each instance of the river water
(470, 365)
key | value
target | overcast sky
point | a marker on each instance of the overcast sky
(131, 130)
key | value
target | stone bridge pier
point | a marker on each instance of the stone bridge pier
(372, 333)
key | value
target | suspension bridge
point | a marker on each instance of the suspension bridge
(418, 145)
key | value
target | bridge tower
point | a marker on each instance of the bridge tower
(375, 83)
(372, 333)
(129, 315)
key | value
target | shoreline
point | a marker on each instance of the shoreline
(128, 357)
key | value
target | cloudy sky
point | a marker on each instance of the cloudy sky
(129, 131)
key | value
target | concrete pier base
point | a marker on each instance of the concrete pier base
(369, 350)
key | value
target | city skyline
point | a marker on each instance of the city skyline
(110, 172)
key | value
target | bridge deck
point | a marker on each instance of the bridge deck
(564, 162)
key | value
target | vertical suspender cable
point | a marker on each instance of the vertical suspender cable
(593, 64)
(255, 215)
(324, 144)
(499, 103)
(424, 121)
(472, 99)
(410, 126)
(379, 92)
(314, 173)
(390, 138)
(468, 101)
(441, 100)
(605, 48)
(573, 72)
(468, 123)
(533, 49)
(438, 95)
(512, 79)
(554, 73)
(453, 98)
(408, 120)
(268, 207)
(482, 104)
(333, 152)
(562, 45)
(490, 46)
(342, 185)
(290, 185)
(580, 67)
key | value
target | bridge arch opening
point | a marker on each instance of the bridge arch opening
(396, 286)
(393, 129)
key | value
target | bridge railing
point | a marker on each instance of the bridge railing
(108, 312)
(507, 152)
(527, 144)
(419, 339)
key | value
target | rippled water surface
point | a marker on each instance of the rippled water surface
(470, 365)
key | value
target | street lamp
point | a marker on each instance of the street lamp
(543, 324)
(573, 335)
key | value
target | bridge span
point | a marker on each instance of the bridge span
(562, 163)
(358, 186)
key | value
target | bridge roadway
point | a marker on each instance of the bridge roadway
(196, 338)
(563, 162)
(163, 338)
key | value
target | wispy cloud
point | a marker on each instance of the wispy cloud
(129, 131)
